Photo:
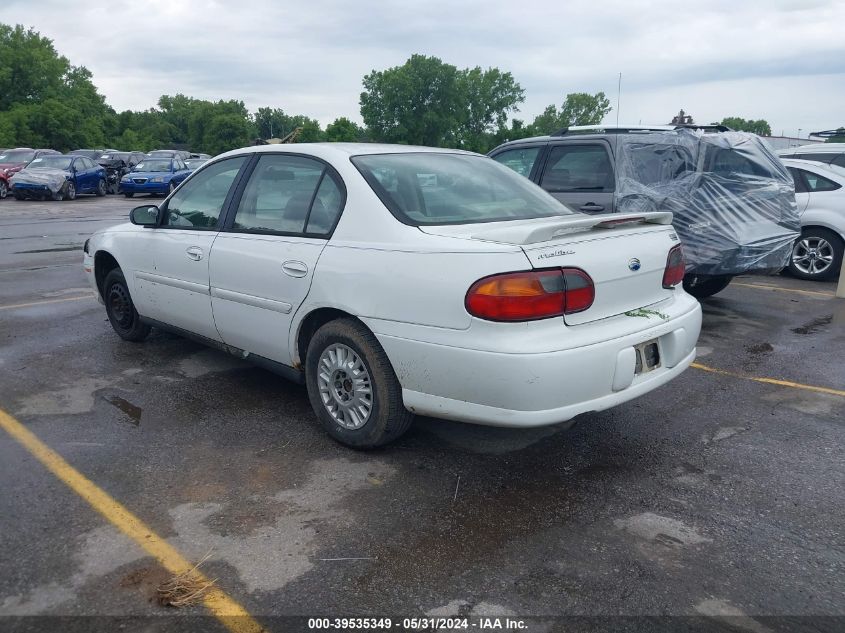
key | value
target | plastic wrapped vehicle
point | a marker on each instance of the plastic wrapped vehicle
(733, 201)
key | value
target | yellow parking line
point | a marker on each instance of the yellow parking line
(38, 303)
(231, 614)
(795, 290)
(771, 381)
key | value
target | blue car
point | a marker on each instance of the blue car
(59, 177)
(156, 176)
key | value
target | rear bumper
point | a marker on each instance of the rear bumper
(536, 389)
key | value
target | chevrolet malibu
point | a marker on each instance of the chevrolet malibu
(396, 280)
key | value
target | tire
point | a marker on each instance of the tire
(129, 194)
(123, 316)
(18, 195)
(703, 286)
(387, 417)
(816, 255)
(171, 188)
(69, 191)
(101, 188)
(4, 189)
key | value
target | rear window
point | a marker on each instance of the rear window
(17, 156)
(423, 188)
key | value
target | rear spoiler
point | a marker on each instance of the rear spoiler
(545, 229)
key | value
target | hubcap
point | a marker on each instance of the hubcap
(121, 306)
(812, 255)
(345, 386)
(71, 191)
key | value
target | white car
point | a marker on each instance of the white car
(820, 194)
(396, 280)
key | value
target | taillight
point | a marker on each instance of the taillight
(675, 267)
(530, 295)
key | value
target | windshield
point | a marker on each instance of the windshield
(52, 162)
(153, 165)
(439, 188)
(162, 153)
(114, 156)
(195, 162)
(17, 156)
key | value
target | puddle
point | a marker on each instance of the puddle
(811, 327)
(127, 407)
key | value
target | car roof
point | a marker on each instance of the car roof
(815, 148)
(342, 151)
(816, 165)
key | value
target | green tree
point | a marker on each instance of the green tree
(578, 108)
(225, 132)
(342, 130)
(488, 96)
(760, 127)
(418, 103)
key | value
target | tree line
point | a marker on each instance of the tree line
(45, 101)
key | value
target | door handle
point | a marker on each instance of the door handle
(591, 206)
(295, 268)
(194, 252)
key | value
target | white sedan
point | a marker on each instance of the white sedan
(396, 280)
(820, 194)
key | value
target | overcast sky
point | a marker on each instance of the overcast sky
(782, 60)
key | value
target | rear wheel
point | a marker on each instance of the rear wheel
(4, 189)
(18, 195)
(816, 255)
(352, 386)
(123, 316)
(703, 286)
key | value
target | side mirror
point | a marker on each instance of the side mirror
(146, 215)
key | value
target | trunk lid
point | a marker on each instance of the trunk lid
(624, 254)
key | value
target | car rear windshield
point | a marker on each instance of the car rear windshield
(52, 162)
(88, 153)
(422, 188)
(17, 156)
(153, 165)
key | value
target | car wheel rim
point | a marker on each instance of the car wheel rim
(3, 190)
(71, 192)
(345, 386)
(121, 306)
(812, 255)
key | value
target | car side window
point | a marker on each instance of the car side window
(280, 195)
(818, 183)
(521, 159)
(326, 207)
(800, 187)
(572, 168)
(198, 203)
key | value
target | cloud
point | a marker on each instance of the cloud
(310, 56)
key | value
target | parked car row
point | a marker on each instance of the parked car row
(98, 171)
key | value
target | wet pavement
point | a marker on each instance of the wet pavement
(714, 495)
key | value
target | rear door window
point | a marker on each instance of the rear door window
(282, 194)
(818, 183)
(521, 159)
(578, 168)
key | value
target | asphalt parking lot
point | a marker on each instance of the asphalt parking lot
(719, 494)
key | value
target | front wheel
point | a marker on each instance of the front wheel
(70, 191)
(101, 188)
(816, 255)
(4, 189)
(703, 286)
(352, 386)
(123, 316)
(129, 194)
